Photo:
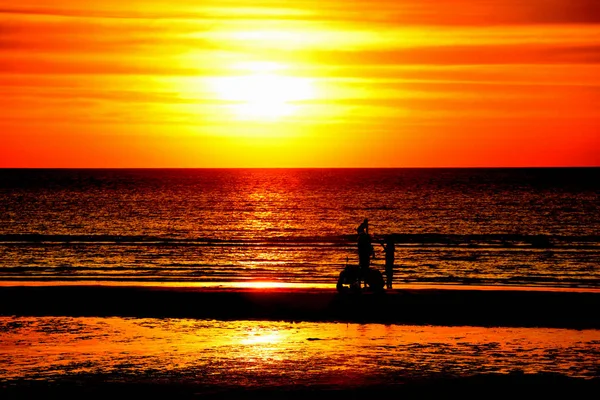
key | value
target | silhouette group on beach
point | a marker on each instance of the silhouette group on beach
(390, 249)
(364, 276)
(365, 247)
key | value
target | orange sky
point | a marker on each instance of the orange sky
(233, 83)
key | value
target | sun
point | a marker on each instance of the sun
(263, 91)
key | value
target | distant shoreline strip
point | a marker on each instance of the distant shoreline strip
(401, 306)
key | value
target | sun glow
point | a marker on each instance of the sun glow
(263, 92)
(262, 285)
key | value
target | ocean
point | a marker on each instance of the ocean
(499, 227)
(504, 227)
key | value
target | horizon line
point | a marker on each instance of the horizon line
(305, 168)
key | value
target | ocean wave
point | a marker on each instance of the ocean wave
(493, 240)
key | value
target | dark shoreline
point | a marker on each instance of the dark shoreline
(100, 387)
(449, 307)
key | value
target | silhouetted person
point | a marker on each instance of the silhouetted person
(365, 249)
(363, 227)
(390, 248)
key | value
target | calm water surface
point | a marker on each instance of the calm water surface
(252, 353)
(502, 227)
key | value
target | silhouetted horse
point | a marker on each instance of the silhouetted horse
(350, 279)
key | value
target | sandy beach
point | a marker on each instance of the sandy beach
(96, 341)
(473, 387)
(431, 306)
(97, 357)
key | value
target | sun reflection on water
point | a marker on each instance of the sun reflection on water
(262, 285)
(262, 336)
(262, 352)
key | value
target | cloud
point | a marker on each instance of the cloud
(39, 64)
(403, 13)
(459, 55)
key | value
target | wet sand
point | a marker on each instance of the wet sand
(183, 358)
(426, 307)
(539, 385)
(449, 307)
